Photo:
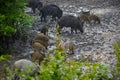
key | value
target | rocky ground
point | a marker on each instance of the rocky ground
(95, 44)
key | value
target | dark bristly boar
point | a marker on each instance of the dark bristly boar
(50, 10)
(71, 21)
(35, 4)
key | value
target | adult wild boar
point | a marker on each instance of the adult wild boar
(50, 10)
(71, 21)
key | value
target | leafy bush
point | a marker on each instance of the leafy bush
(12, 19)
(60, 68)
(12, 16)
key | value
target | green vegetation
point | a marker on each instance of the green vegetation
(4, 60)
(117, 54)
(5, 57)
(13, 19)
(60, 68)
